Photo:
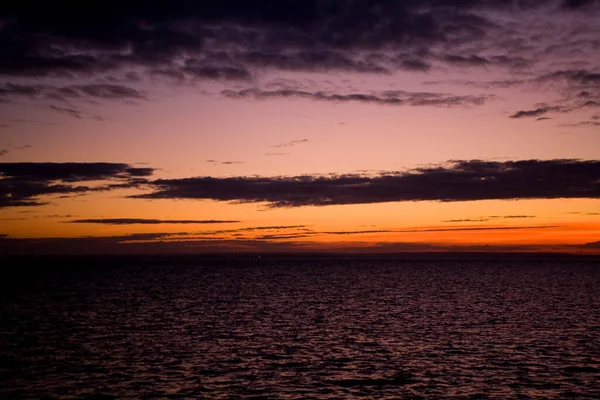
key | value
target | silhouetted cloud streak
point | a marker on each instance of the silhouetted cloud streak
(537, 112)
(389, 98)
(146, 221)
(291, 143)
(21, 184)
(456, 181)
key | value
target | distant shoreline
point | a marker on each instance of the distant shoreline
(320, 256)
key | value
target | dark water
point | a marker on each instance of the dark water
(290, 329)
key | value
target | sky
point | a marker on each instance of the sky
(300, 126)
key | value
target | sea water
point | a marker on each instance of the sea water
(300, 328)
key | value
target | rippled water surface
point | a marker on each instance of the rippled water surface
(291, 329)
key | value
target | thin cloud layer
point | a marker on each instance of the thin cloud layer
(146, 221)
(389, 98)
(451, 229)
(70, 92)
(457, 181)
(291, 143)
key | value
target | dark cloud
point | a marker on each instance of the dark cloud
(415, 65)
(578, 76)
(291, 143)
(590, 245)
(230, 73)
(22, 184)
(108, 91)
(581, 213)
(357, 232)
(314, 61)
(258, 228)
(66, 110)
(224, 162)
(577, 4)
(514, 216)
(224, 39)
(146, 221)
(537, 112)
(284, 236)
(482, 228)
(580, 89)
(390, 97)
(164, 243)
(67, 93)
(491, 217)
(495, 84)
(11, 89)
(472, 60)
(583, 123)
(10, 148)
(154, 243)
(134, 243)
(467, 220)
(456, 181)
(477, 228)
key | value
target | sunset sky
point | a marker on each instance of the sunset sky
(300, 126)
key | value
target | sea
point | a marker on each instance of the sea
(299, 328)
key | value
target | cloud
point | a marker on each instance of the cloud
(456, 181)
(590, 245)
(467, 220)
(583, 123)
(109, 91)
(10, 148)
(357, 232)
(224, 162)
(291, 143)
(450, 229)
(42, 93)
(22, 184)
(146, 221)
(537, 112)
(160, 243)
(82, 245)
(582, 213)
(481, 228)
(390, 97)
(315, 61)
(490, 217)
(230, 73)
(515, 216)
(232, 39)
(472, 60)
(65, 110)
(257, 228)
(573, 76)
